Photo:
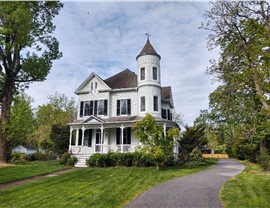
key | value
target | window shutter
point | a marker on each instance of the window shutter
(118, 136)
(118, 108)
(128, 106)
(168, 114)
(80, 137)
(89, 137)
(81, 109)
(95, 107)
(163, 114)
(128, 135)
(105, 107)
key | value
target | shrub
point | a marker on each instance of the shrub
(18, 158)
(64, 158)
(264, 160)
(97, 160)
(196, 155)
(72, 160)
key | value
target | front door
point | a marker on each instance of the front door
(98, 140)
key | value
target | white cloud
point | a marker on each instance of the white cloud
(106, 38)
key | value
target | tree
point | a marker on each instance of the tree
(60, 138)
(21, 123)
(241, 103)
(159, 148)
(58, 111)
(27, 50)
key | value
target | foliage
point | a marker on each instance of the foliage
(251, 188)
(127, 159)
(21, 123)
(27, 50)
(58, 112)
(196, 155)
(43, 156)
(60, 138)
(67, 159)
(240, 107)
(150, 135)
(100, 187)
(28, 170)
(264, 160)
(18, 158)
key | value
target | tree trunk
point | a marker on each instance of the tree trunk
(8, 91)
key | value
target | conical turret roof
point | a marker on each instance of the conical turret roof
(148, 49)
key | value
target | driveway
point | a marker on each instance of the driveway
(196, 190)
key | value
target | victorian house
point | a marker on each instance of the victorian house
(108, 108)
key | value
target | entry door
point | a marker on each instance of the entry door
(88, 137)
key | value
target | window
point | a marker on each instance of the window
(154, 73)
(126, 136)
(143, 103)
(143, 73)
(155, 103)
(123, 107)
(163, 113)
(93, 87)
(94, 107)
(166, 113)
(88, 137)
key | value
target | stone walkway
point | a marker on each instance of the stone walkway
(33, 179)
(193, 191)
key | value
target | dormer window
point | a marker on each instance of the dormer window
(154, 73)
(143, 73)
(93, 87)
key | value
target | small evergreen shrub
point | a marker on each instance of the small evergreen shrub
(18, 158)
(264, 160)
(196, 155)
(64, 158)
(72, 160)
(97, 160)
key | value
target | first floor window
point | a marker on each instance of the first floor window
(143, 103)
(155, 100)
(126, 136)
(123, 107)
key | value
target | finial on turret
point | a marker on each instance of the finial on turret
(148, 35)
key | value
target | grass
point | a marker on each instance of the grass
(249, 189)
(16, 172)
(91, 187)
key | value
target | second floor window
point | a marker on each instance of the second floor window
(143, 73)
(123, 107)
(155, 101)
(154, 73)
(142, 103)
(94, 107)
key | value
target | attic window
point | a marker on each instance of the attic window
(93, 87)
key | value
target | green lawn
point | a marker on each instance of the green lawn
(249, 189)
(16, 172)
(90, 187)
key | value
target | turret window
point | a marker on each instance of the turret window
(142, 103)
(155, 103)
(154, 73)
(143, 73)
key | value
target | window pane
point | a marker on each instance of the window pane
(154, 73)
(143, 103)
(143, 73)
(87, 108)
(123, 107)
(101, 107)
(155, 103)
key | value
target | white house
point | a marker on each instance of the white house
(26, 149)
(108, 108)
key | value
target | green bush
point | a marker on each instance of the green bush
(43, 156)
(97, 160)
(264, 160)
(18, 158)
(196, 155)
(72, 160)
(64, 158)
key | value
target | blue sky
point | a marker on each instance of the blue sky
(106, 37)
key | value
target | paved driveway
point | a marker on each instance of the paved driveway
(197, 190)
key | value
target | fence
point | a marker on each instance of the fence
(215, 156)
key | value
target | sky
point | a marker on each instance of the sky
(105, 38)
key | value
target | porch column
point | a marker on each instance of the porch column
(174, 146)
(102, 138)
(164, 129)
(77, 137)
(83, 129)
(122, 138)
(70, 138)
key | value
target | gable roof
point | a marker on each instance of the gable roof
(148, 49)
(124, 79)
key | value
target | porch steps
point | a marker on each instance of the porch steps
(82, 161)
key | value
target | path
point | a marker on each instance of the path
(196, 190)
(33, 179)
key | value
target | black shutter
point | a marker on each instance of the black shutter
(168, 114)
(91, 108)
(118, 108)
(128, 106)
(118, 136)
(89, 137)
(128, 136)
(105, 107)
(81, 109)
(80, 137)
(163, 113)
(95, 108)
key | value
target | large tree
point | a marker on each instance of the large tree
(27, 50)
(241, 30)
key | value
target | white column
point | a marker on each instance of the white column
(102, 137)
(77, 137)
(83, 129)
(122, 138)
(70, 139)
(164, 129)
